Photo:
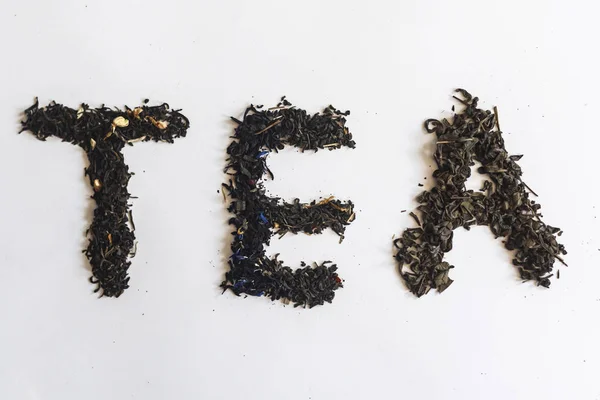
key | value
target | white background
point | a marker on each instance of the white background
(173, 335)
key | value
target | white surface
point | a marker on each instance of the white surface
(393, 64)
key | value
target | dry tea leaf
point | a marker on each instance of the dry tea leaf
(140, 139)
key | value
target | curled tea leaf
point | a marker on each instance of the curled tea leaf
(140, 139)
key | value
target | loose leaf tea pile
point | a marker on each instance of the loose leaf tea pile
(503, 204)
(102, 133)
(258, 216)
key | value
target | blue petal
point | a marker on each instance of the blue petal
(262, 154)
(263, 219)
